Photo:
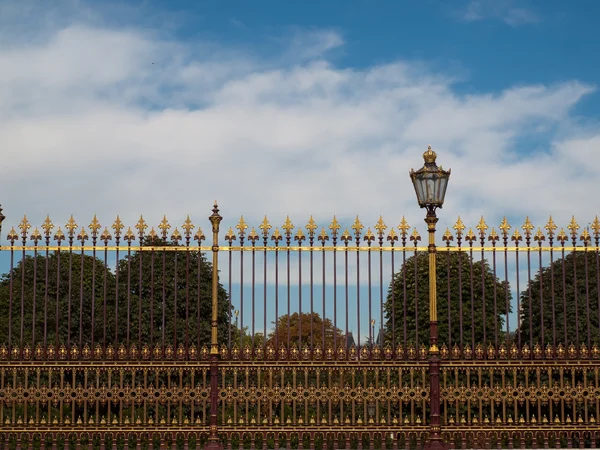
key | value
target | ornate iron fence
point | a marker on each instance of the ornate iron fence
(307, 336)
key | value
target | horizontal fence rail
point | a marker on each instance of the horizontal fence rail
(322, 335)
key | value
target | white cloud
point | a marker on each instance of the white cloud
(508, 11)
(119, 121)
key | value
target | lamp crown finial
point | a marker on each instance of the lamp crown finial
(429, 156)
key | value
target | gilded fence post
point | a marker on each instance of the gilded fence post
(213, 444)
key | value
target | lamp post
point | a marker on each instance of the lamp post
(430, 183)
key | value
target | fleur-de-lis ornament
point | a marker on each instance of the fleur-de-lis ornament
(253, 236)
(335, 228)
(299, 236)
(230, 236)
(459, 227)
(482, 227)
(369, 237)
(447, 237)
(164, 227)
(265, 226)
(392, 236)
(152, 235)
(36, 236)
(505, 228)
(311, 226)
(117, 226)
(573, 227)
(24, 226)
(357, 226)
(527, 227)
(47, 226)
(585, 237)
(470, 237)
(12, 236)
(242, 226)
(539, 236)
(129, 236)
(323, 236)
(493, 237)
(596, 230)
(188, 229)
(415, 236)
(550, 229)
(105, 236)
(82, 236)
(59, 236)
(288, 226)
(276, 237)
(403, 227)
(380, 226)
(199, 236)
(94, 227)
(141, 227)
(346, 237)
(176, 236)
(516, 237)
(562, 237)
(71, 226)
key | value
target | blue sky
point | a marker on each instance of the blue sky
(300, 108)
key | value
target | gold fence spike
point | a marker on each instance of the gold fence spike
(539, 236)
(380, 226)
(241, 226)
(470, 236)
(596, 229)
(265, 226)
(199, 236)
(550, 227)
(415, 236)
(562, 236)
(392, 236)
(585, 237)
(346, 237)
(230, 236)
(323, 236)
(288, 226)
(403, 227)
(311, 226)
(459, 226)
(71, 226)
(357, 226)
(493, 237)
(369, 236)
(447, 237)
(334, 226)
(504, 227)
(253, 236)
(176, 236)
(141, 226)
(516, 237)
(82, 236)
(187, 227)
(12, 235)
(59, 236)
(47, 226)
(527, 227)
(300, 236)
(482, 227)
(276, 235)
(164, 227)
(36, 235)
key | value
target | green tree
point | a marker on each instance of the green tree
(175, 288)
(301, 327)
(476, 292)
(41, 294)
(128, 303)
(565, 286)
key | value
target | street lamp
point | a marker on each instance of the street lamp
(430, 183)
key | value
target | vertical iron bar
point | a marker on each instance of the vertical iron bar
(21, 337)
(46, 298)
(346, 289)
(140, 292)
(82, 256)
(416, 258)
(564, 293)
(254, 291)
(541, 296)
(472, 296)
(175, 292)
(300, 295)
(35, 261)
(575, 290)
(529, 292)
(104, 285)
(68, 292)
(587, 298)
(393, 278)
(518, 295)
(117, 239)
(506, 298)
(187, 293)
(239, 331)
(460, 300)
(496, 331)
(357, 289)
(128, 293)
(164, 295)
(57, 296)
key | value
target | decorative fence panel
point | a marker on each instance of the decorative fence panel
(297, 336)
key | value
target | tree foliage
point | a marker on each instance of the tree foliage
(305, 328)
(156, 293)
(556, 301)
(461, 281)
